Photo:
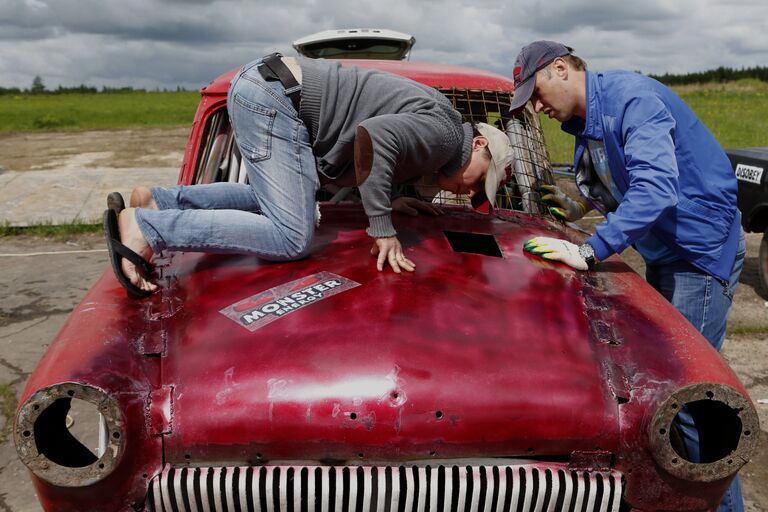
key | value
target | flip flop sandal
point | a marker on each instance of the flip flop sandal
(116, 202)
(118, 251)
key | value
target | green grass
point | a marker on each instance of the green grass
(9, 402)
(735, 112)
(51, 231)
(748, 329)
(96, 111)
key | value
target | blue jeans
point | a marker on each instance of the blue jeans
(274, 216)
(705, 302)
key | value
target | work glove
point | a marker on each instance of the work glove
(561, 205)
(556, 250)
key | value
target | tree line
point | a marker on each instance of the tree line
(721, 74)
(38, 87)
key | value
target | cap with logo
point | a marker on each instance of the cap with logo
(531, 59)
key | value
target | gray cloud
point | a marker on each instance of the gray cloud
(167, 43)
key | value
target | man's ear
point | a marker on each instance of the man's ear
(560, 67)
(479, 142)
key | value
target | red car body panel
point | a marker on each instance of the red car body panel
(539, 382)
(471, 356)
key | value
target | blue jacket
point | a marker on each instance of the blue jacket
(675, 179)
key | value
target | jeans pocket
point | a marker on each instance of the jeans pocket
(253, 128)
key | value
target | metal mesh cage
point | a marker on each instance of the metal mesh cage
(220, 160)
(532, 165)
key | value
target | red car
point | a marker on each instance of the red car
(488, 380)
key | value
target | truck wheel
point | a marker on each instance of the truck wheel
(763, 262)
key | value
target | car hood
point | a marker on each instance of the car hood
(470, 355)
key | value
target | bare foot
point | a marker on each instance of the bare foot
(141, 197)
(131, 237)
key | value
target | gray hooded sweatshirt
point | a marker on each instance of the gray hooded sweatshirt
(374, 129)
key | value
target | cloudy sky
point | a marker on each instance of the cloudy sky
(170, 43)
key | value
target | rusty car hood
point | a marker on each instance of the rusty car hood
(470, 355)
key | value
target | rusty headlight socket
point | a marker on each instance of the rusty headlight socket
(46, 446)
(728, 429)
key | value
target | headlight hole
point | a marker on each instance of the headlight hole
(719, 430)
(64, 446)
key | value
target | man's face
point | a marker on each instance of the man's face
(470, 179)
(552, 93)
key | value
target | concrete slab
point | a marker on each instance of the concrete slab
(64, 196)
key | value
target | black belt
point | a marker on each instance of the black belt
(273, 68)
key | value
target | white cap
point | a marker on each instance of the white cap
(501, 158)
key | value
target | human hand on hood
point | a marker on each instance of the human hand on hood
(388, 249)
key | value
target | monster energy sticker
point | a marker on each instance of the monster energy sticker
(266, 307)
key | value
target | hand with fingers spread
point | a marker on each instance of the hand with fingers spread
(388, 249)
(561, 205)
(413, 207)
(557, 250)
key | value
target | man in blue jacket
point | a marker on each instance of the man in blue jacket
(646, 162)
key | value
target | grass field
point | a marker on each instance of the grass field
(96, 111)
(735, 112)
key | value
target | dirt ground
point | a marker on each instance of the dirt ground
(42, 279)
(151, 147)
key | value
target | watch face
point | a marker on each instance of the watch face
(588, 253)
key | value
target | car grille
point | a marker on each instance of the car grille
(447, 488)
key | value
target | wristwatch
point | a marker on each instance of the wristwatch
(588, 254)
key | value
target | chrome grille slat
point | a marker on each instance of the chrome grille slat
(269, 487)
(283, 488)
(434, 476)
(448, 493)
(179, 487)
(352, 489)
(462, 490)
(541, 490)
(422, 480)
(604, 504)
(229, 488)
(528, 489)
(339, 475)
(502, 490)
(568, 492)
(592, 490)
(324, 471)
(367, 491)
(297, 489)
(580, 489)
(474, 474)
(540, 487)
(214, 490)
(395, 489)
(243, 487)
(555, 490)
(409, 489)
(381, 491)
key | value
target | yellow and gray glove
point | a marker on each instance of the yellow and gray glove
(561, 250)
(561, 205)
